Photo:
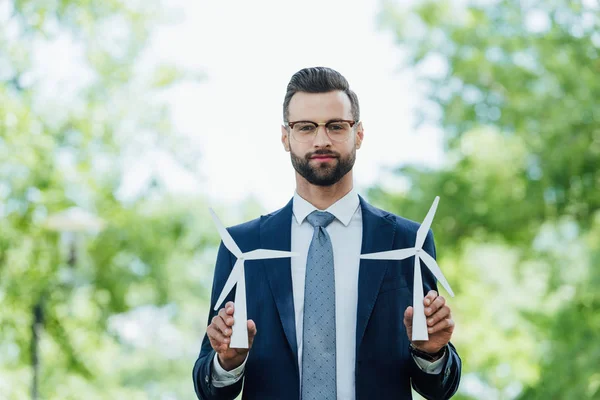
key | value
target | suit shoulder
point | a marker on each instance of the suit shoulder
(409, 227)
(405, 223)
(401, 223)
(245, 227)
(252, 226)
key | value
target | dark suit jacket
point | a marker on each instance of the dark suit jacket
(384, 367)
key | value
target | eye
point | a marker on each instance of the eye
(304, 127)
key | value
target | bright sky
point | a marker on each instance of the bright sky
(249, 51)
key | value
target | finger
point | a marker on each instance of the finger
(438, 303)
(216, 335)
(251, 332)
(439, 315)
(408, 313)
(251, 328)
(445, 324)
(217, 340)
(229, 307)
(218, 322)
(431, 295)
(226, 315)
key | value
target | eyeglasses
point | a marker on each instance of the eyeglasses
(337, 130)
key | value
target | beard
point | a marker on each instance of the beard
(323, 174)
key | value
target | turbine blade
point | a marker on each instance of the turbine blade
(234, 277)
(424, 228)
(261, 254)
(399, 254)
(435, 269)
(225, 236)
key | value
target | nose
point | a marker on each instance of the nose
(321, 137)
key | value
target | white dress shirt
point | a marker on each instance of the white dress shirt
(345, 232)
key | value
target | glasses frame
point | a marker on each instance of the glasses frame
(290, 126)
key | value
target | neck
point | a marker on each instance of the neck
(323, 196)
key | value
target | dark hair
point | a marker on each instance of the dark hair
(319, 80)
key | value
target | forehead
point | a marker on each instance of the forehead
(319, 107)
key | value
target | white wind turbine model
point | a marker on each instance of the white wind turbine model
(239, 335)
(419, 327)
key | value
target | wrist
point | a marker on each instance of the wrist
(230, 364)
(426, 355)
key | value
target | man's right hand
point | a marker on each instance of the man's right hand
(219, 334)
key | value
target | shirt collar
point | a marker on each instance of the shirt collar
(342, 210)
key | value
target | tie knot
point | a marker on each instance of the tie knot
(320, 218)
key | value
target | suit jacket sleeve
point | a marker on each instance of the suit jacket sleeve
(202, 373)
(442, 385)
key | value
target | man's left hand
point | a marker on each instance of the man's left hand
(439, 323)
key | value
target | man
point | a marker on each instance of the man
(326, 325)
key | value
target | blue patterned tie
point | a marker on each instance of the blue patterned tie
(318, 349)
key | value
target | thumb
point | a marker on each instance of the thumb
(408, 313)
(251, 332)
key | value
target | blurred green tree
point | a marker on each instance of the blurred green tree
(104, 314)
(513, 86)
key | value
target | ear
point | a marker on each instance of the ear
(359, 135)
(285, 138)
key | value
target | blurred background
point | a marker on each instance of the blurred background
(121, 122)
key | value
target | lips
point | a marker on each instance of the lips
(323, 157)
(323, 160)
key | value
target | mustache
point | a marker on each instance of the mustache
(322, 153)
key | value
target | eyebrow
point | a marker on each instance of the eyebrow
(328, 121)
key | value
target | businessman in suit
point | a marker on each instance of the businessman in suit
(326, 325)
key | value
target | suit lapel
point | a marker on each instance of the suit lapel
(276, 234)
(378, 235)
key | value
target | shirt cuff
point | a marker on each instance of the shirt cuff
(430, 367)
(222, 378)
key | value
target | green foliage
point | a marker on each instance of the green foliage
(113, 300)
(514, 87)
